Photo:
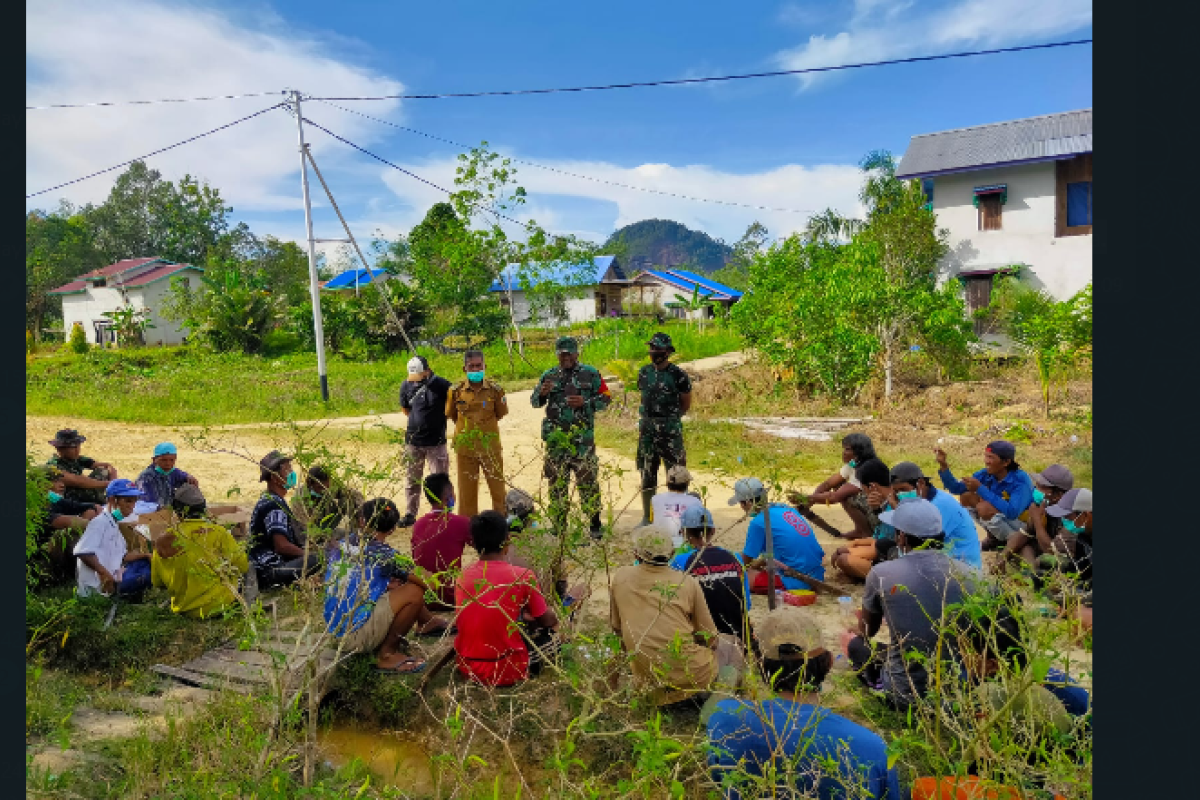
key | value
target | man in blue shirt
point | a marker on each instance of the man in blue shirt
(794, 542)
(997, 494)
(962, 540)
(807, 748)
(159, 481)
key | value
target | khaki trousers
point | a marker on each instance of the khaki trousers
(472, 461)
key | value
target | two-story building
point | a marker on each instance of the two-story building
(1016, 193)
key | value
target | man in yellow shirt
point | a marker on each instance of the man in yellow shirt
(476, 407)
(197, 561)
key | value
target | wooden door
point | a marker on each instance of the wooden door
(978, 290)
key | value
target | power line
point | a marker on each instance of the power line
(715, 79)
(156, 152)
(581, 176)
(150, 102)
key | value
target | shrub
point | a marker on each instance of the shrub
(78, 342)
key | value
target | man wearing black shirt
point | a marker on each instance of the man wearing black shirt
(720, 573)
(423, 401)
(277, 550)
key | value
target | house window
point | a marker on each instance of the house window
(100, 283)
(187, 283)
(1073, 196)
(927, 190)
(989, 212)
(1079, 204)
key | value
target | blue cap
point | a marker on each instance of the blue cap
(696, 517)
(164, 449)
(122, 487)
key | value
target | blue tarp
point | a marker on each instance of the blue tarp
(347, 279)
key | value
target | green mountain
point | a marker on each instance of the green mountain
(665, 243)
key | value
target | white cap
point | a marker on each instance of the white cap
(415, 366)
(747, 489)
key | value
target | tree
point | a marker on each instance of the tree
(59, 246)
(830, 226)
(232, 310)
(130, 324)
(735, 274)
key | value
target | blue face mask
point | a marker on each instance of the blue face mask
(907, 495)
(1070, 527)
(475, 377)
(291, 480)
(54, 496)
(162, 471)
(1038, 497)
(117, 515)
(853, 463)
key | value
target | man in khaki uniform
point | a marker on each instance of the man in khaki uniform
(476, 407)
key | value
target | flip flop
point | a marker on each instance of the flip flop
(405, 667)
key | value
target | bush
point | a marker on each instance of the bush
(78, 342)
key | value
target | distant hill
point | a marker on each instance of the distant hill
(663, 242)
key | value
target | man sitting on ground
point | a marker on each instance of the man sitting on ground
(1041, 534)
(439, 537)
(493, 597)
(911, 593)
(534, 546)
(792, 737)
(106, 565)
(371, 600)
(855, 558)
(844, 487)
(81, 488)
(908, 482)
(65, 521)
(197, 561)
(159, 481)
(663, 620)
(324, 504)
(721, 573)
(794, 542)
(276, 543)
(1074, 510)
(997, 494)
(668, 507)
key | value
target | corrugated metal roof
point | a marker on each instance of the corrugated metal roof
(81, 283)
(158, 273)
(1047, 137)
(346, 280)
(603, 267)
(708, 289)
(706, 282)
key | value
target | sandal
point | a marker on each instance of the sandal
(409, 666)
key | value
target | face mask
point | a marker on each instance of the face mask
(658, 358)
(907, 495)
(162, 471)
(117, 515)
(475, 377)
(54, 496)
(450, 505)
(314, 492)
(1070, 527)
(291, 480)
(853, 463)
(1038, 496)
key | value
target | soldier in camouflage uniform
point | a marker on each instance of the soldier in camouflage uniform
(666, 397)
(85, 478)
(572, 394)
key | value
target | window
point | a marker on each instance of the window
(187, 283)
(989, 212)
(1079, 204)
(927, 189)
(100, 283)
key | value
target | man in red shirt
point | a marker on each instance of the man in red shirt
(439, 537)
(493, 597)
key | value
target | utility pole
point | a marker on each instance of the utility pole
(314, 289)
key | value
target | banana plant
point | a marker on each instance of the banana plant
(694, 303)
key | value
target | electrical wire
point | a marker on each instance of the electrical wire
(714, 79)
(160, 150)
(581, 176)
(150, 102)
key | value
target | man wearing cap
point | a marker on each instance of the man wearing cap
(323, 503)
(720, 572)
(997, 494)
(794, 736)
(664, 623)
(668, 507)
(198, 562)
(423, 401)
(908, 482)
(794, 542)
(1074, 512)
(666, 397)
(572, 393)
(911, 593)
(476, 406)
(1040, 532)
(276, 543)
(159, 481)
(105, 563)
(81, 488)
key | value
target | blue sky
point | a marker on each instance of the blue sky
(782, 142)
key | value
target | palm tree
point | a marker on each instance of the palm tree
(830, 226)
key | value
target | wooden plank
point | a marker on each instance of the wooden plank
(227, 669)
(203, 681)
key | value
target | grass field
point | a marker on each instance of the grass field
(182, 385)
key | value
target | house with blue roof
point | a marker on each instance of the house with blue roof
(599, 295)
(660, 288)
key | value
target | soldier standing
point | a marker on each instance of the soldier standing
(476, 406)
(572, 394)
(666, 397)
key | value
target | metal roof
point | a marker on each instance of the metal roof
(347, 279)
(689, 281)
(112, 270)
(1045, 138)
(605, 269)
(706, 283)
(157, 274)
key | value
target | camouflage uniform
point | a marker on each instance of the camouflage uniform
(660, 429)
(84, 466)
(569, 434)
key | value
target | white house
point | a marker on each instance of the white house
(136, 282)
(1016, 193)
(599, 298)
(661, 287)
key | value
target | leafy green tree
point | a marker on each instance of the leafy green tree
(77, 342)
(231, 311)
(735, 274)
(59, 246)
(130, 324)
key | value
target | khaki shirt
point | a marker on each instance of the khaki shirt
(656, 610)
(476, 408)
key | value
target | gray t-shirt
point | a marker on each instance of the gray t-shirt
(911, 593)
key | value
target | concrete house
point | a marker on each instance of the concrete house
(137, 282)
(660, 286)
(600, 298)
(1011, 193)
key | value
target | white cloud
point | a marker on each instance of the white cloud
(78, 51)
(882, 29)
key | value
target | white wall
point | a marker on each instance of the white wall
(152, 296)
(1060, 265)
(581, 309)
(90, 307)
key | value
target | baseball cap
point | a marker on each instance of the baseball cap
(906, 472)
(518, 502)
(566, 344)
(679, 474)
(1055, 475)
(788, 625)
(189, 495)
(270, 464)
(415, 365)
(1072, 502)
(164, 449)
(696, 517)
(917, 517)
(747, 489)
(653, 542)
(1003, 449)
(122, 487)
